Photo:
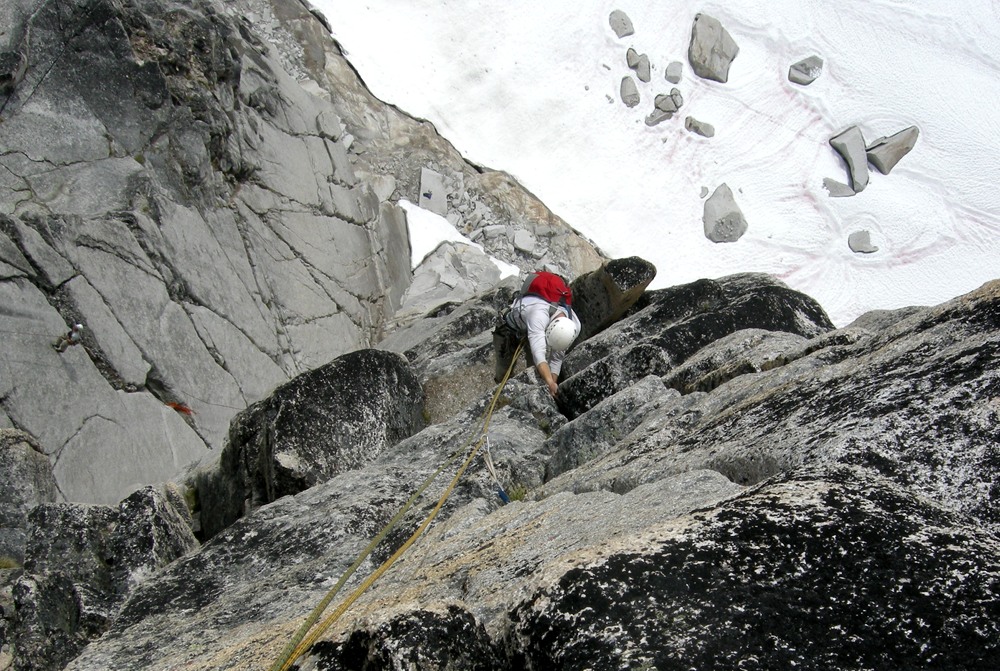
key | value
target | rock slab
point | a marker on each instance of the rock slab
(620, 23)
(722, 217)
(27, 482)
(330, 420)
(712, 49)
(806, 71)
(885, 152)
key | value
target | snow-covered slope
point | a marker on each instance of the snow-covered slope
(533, 89)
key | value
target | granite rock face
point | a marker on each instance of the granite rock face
(778, 491)
(391, 149)
(210, 189)
(451, 348)
(82, 561)
(603, 296)
(709, 590)
(724, 479)
(27, 482)
(673, 324)
(333, 419)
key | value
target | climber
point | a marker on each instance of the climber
(69, 339)
(543, 314)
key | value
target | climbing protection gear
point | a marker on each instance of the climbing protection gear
(304, 638)
(488, 460)
(560, 333)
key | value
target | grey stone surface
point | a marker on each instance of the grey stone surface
(525, 242)
(673, 72)
(12, 67)
(806, 71)
(620, 23)
(453, 273)
(669, 326)
(669, 103)
(743, 352)
(658, 116)
(330, 420)
(385, 142)
(639, 63)
(722, 218)
(711, 586)
(629, 92)
(81, 562)
(27, 482)
(837, 189)
(860, 242)
(212, 197)
(699, 127)
(712, 49)
(598, 431)
(850, 144)
(433, 193)
(603, 296)
(885, 152)
(798, 499)
(756, 450)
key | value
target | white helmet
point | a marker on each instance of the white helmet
(560, 333)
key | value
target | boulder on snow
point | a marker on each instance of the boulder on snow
(722, 218)
(673, 72)
(699, 127)
(860, 242)
(620, 23)
(712, 49)
(669, 102)
(658, 116)
(639, 63)
(885, 152)
(629, 92)
(837, 189)
(850, 144)
(806, 71)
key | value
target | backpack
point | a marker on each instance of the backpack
(549, 287)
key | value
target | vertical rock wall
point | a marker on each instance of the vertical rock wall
(164, 182)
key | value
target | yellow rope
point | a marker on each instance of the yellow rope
(322, 605)
(300, 642)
